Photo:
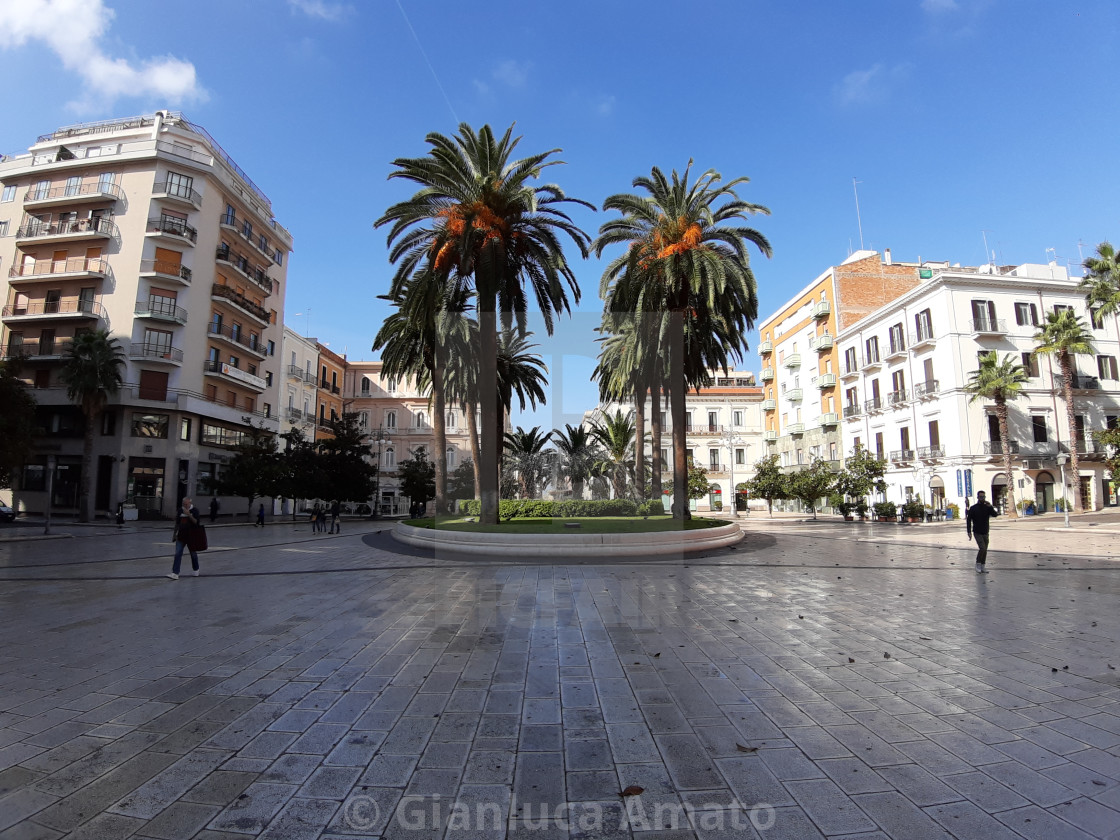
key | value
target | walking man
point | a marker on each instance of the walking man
(214, 505)
(260, 516)
(976, 523)
(188, 532)
(336, 512)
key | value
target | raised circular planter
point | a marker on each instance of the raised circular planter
(570, 545)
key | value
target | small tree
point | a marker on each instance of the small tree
(815, 482)
(768, 482)
(418, 477)
(299, 473)
(862, 474)
(17, 424)
(698, 484)
(254, 471)
(460, 483)
(343, 461)
(1110, 439)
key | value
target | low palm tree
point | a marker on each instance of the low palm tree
(1064, 336)
(578, 456)
(91, 372)
(615, 434)
(526, 453)
(1000, 382)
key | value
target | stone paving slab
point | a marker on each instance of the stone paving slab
(799, 686)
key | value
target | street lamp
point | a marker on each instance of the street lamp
(730, 438)
(380, 436)
(1062, 459)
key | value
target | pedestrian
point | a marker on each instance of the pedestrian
(214, 505)
(260, 516)
(120, 515)
(336, 511)
(316, 518)
(976, 523)
(189, 534)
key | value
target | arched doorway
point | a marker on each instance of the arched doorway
(937, 493)
(715, 497)
(999, 492)
(1043, 492)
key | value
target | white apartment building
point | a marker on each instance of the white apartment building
(299, 374)
(146, 227)
(724, 431)
(904, 367)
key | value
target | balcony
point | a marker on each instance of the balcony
(295, 372)
(178, 193)
(896, 350)
(795, 429)
(767, 374)
(826, 380)
(873, 405)
(823, 343)
(294, 415)
(770, 435)
(851, 411)
(850, 373)
(794, 395)
(160, 309)
(822, 309)
(1084, 447)
(921, 338)
(215, 368)
(765, 347)
(896, 398)
(240, 263)
(170, 226)
(38, 351)
(238, 338)
(1086, 383)
(872, 363)
(71, 230)
(987, 326)
(227, 294)
(164, 270)
(156, 353)
(50, 310)
(718, 469)
(902, 455)
(926, 390)
(995, 447)
(704, 429)
(72, 194)
(769, 405)
(830, 418)
(73, 268)
(793, 360)
(931, 453)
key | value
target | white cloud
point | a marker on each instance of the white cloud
(512, 73)
(73, 30)
(320, 9)
(866, 87)
(604, 107)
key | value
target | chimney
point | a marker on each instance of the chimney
(887, 256)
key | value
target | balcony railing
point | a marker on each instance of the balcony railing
(921, 338)
(766, 347)
(850, 372)
(156, 351)
(796, 428)
(167, 269)
(821, 309)
(252, 343)
(335, 389)
(829, 418)
(823, 343)
(769, 434)
(995, 447)
(794, 395)
(179, 191)
(826, 380)
(896, 349)
(902, 455)
(160, 308)
(94, 190)
(295, 372)
(41, 349)
(253, 273)
(213, 366)
(1084, 446)
(100, 226)
(704, 429)
(988, 326)
(1086, 383)
(50, 308)
(174, 226)
(769, 405)
(930, 452)
(53, 268)
(871, 405)
(896, 398)
(716, 469)
(851, 411)
(230, 294)
(793, 360)
(872, 362)
(767, 374)
(929, 388)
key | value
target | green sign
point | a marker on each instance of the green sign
(925, 273)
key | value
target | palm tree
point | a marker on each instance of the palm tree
(520, 372)
(615, 433)
(1064, 336)
(91, 372)
(578, 456)
(683, 258)
(477, 215)
(1000, 382)
(527, 454)
(1101, 283)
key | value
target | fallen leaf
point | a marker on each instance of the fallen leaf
(741, 748)
(850, 660)
(925, 638)
(633, 790)
(801, 616)
(886, 656)
(657, 654)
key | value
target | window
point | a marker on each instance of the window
(934, 434)
(983, 315)
(390, 459)
(737, 418)
(279, 257)
(150, 425)
(1026, 314)
(879, 445)
(185, 428)
(664, 457)
(268, 377)
(206, 479)
(452, 420)
(178, 185)
(4, 228)
(390, 420)
(267, 408)
(904, 437)
(713, 459)
(898, 338)
(1030, 365)
(713, 421)
(365, 386)
(215, 435)
(34, 477)
(421, 420)
(851, 396)
(1038, 427)
(850, 363)
(898, 383)
(271, 347)
(872, 347)
(450, 458)
(8, 195)
(740, 456)
(391, 386)
(1062, 307)
(1106, 367)
(109, 423)
(247, 230)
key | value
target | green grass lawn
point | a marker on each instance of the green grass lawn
(588, 525)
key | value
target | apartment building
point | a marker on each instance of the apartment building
(144, 226)
(797, 345)
(397, 416)
(724, 430)
(299, 391)
(905, 367)
(332, 374)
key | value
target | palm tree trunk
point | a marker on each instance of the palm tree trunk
(471, 410)
(639, 439)
(439, 427)
(655, 437)
(491, 436)
(87, 468)
(677, 411)
(1001, 415)
(1066, 362)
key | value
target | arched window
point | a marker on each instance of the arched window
(365, 386)
(390, 459)
(421, 420)
(450, 457)
(390, 419)
(451, 420)
(391, 387)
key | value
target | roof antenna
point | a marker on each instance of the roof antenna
(989, 256)
(858, 220)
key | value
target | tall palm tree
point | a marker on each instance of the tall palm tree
(1000, 382)
(1101, 283)
(462, 388)
(578, 456)
(1064, 336)
(527, 454)
(615, 433)
(520, 372)
(91, 372)
(477, 214)
(687, 255)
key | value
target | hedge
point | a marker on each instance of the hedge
(537, 508)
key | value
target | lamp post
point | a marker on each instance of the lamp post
(380, 436)
(1062, 459)
(731, 439)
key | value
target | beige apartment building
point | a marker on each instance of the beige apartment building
(298, 393)
(146, 227)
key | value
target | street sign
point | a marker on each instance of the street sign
(968, 482)
(960, 484)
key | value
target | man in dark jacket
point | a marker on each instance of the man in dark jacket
(188, 528)
(976, 523)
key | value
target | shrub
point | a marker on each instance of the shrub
(653, 507)
(914, 510)
(542, 509)
(888, 510)
(955, 508)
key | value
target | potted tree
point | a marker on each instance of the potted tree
(861, 509)
(886, 511)
(913, 510)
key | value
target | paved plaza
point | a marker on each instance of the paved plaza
(818, 680)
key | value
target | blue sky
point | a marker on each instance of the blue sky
(957, 116)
